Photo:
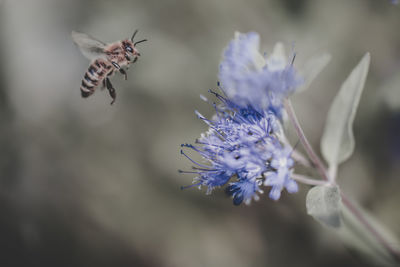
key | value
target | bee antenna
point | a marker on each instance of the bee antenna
(141, 41)
(133, 35)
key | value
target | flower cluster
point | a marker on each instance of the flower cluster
(245, 147)
(248, 79)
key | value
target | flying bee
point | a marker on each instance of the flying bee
(106, 59)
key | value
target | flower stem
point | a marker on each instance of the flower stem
(327, 176)
(395, 253)
(303, 139)
(307, 180)
(298, 157)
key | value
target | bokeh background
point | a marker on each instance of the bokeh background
(83, 183)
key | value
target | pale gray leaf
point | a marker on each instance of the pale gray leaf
(277, 60)
(310, 70)
(352, 225)
(324, 204)
(337, 143)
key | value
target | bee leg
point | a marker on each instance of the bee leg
(103, 84)
(123, 72)
(111, 90)
(135, 59)
(116, 65)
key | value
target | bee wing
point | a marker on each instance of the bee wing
(89, 46)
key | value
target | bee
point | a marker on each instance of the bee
(106, 59)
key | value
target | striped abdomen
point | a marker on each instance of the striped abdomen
(94, 76)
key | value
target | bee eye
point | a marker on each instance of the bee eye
(129, 49)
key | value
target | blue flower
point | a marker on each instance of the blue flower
(280, 177)
(248, 79)
(241, 148)
(243, 191)
(245, 147)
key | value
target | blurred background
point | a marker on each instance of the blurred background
(83, 183)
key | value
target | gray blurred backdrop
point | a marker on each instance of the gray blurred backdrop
(83, 183)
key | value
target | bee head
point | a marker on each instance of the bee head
(130, 49)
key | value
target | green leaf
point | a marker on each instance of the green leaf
(310, 70)
(337, 143)
(324, 204)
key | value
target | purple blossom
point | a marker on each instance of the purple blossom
(247, 79)
(243, 190)
(240, 149)
(279, 177)
(244, 147)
